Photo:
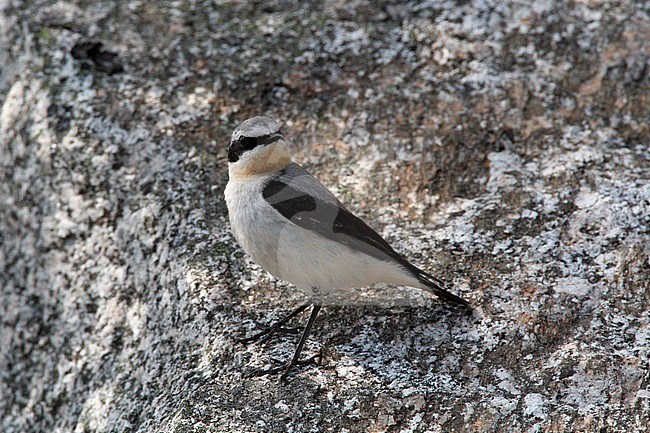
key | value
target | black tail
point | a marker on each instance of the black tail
(436, 286)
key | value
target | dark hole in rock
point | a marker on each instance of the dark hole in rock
(91, 54)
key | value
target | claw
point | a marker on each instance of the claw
(286, 369)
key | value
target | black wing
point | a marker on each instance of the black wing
(330, 219)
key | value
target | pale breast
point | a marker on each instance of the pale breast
(255, 224)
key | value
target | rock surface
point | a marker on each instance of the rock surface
(500, 144)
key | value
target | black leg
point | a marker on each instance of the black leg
(276, 326)
(295, 360)
(296, 355)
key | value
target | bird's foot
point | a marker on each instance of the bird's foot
(287, 368)
(276, 327)
(267, 333)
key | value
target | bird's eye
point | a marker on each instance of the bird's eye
(248, 143)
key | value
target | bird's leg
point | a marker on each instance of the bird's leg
(295, 360)
(275, 327)
(296, 355)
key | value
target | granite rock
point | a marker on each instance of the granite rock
(502, 145)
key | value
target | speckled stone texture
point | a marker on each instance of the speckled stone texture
(502, 145)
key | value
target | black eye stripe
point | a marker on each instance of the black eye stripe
(242, 144)
(268, 139)
(262, 140)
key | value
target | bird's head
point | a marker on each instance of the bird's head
(257, 147)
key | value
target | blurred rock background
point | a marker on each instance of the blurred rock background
(502, 144)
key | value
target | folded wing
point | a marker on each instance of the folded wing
(305, 202)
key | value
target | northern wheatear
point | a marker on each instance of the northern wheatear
(295, 228)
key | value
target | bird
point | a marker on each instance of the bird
(296, 229)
